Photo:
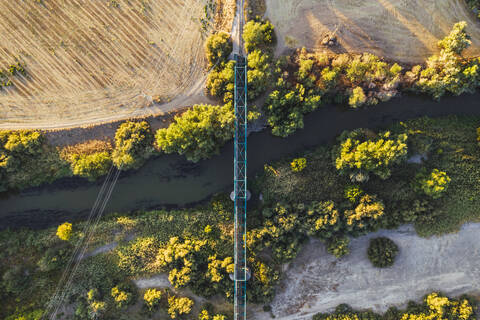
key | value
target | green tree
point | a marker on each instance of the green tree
(338, 246)
(357, 98)
(133, 145)
(217, 48)
(259, 74)
(199, 132)
(90, 166)
(359, 154)
(298, 165)
(258, 35)
(286, 106)
(152, 298)
(178, 306)
(365, 214)
(382, 252)
(138, 255)
(433, 184)
(449, 71)
(221, 81)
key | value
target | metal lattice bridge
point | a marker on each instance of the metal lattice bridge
(241, 273)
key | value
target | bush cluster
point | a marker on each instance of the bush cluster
(382, 252)
(433, 184)
(434, 306)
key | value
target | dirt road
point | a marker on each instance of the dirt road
(317, 282)
(402, 30)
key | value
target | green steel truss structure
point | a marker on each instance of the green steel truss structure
(241, 273)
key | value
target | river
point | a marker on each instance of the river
(170, 180)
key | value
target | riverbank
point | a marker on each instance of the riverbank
(317, 282)
(170, 180)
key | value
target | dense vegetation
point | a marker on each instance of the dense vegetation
(475, 5)
(434, 306)
(382, 252)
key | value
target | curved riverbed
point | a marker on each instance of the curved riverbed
(171, 180)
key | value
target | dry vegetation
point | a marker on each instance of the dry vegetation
(94, 61)
(401, 30)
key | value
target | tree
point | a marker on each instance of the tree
(138, 255)
(382, 252)
(338, 246)
(90, 166)
(179, 306)
(152, 298)
(133, 145)
(259, 74)
(65, 231)
(449, 71)
(199, 132)
(298, 164)
(221, 81)
(357, 98)
(432, 184)
(286, 106)
(121, 296)
(368, 210)
(217, 48)
(358, 153)
(258, 35)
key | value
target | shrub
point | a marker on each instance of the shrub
(298, 164)
(53, 259)
(15, 279)
(449, 71)
(133, 145)
(122, 296)
(258, 35)
(138, 255)
(357, 153)
(65, 231)
(179, 306)
(259, 74)
(221, 81)
(217, 48)
(432, 184)
(338, 246)
(353, 193)
(367, 211)
(152, 298)
(321, 219)
(199, 132)
(357, 98)
(90, 166)
(382, 252)
(286, 106)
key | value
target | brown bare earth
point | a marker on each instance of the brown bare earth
(98, 61)
(401, 30)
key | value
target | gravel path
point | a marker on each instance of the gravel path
(317, 282)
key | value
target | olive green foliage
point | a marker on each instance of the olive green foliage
(434, 306)
(353, 193)
(366, 213)
(26, 160)
(122, 296)
(433, 184)
(338, 246)
(152, 298)
(258, 34)
(217, 48)
(448, 71)
(221, 81)
(286, 106)
(382, 252)
(64, 231)
(133, 145)
(138, 255)
(90, 166)
(357, 98)
(260, 72)
(205, 315)
(178, 306)
(358, 154)
(298, 164)
(199, 132)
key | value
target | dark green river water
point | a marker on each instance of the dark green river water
(170, 180)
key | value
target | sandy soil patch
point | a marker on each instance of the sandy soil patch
(317, 282)
(402, 30)
(98, 61)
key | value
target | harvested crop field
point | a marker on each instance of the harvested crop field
(96, 61)
(401, 30)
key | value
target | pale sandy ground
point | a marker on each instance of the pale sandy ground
(402, 30)
(88, 62)
(317, 282)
